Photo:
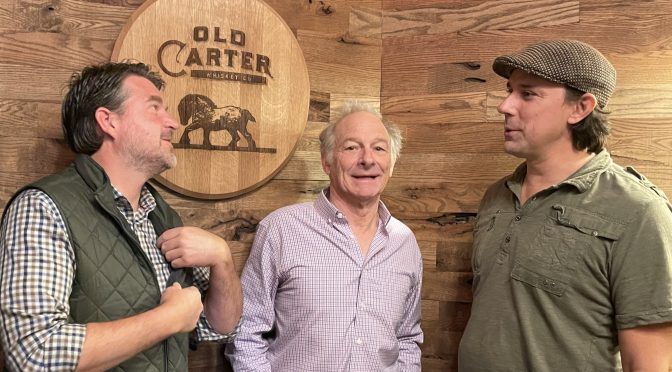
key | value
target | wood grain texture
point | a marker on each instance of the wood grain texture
(425, 63)
(487, 15)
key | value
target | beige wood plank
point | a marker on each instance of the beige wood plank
(451, 136)
(36, 118)
(447, 286)
(96, 20)
(649, 139)
(414, 198)
(37, 156)
(19, 82)
(466, 168)
(430, 310)
(440, 108)
(338, 67)
(488, 15)
(56, 50)
(406, 54)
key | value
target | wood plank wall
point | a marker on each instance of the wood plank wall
(425, 62)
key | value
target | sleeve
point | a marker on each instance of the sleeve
(410, 334)
(641, 269)
(205, 332)
(260, 283)
(37, 267)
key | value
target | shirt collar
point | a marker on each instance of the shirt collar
(329, 211)
(146, 205)
(582, 179)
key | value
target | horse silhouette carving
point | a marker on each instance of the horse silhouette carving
(197, 111)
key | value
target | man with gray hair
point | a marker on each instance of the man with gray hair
(572, 255)
(334, 285)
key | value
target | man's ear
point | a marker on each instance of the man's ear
(326, 167)
(582, 108)
(107, 121)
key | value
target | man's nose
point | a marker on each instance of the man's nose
(366, 156)
(504, 107)
(171, 122)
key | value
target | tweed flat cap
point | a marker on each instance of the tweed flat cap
(569, 62)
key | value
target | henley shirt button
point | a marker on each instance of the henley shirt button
(359, 341)
(518, 218)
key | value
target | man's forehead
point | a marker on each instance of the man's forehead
(359, 121)
(138, 85)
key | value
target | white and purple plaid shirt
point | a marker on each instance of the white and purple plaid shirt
(313, 302)
(37, 268)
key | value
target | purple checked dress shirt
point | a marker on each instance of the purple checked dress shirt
(313, 302)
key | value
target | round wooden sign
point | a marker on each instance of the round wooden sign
(236, 81)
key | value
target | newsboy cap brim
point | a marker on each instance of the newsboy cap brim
(568, 62)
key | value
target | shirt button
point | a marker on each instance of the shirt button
(339, 215)
(518, 218)
(359, 341)
(507, 239)
(594, 233)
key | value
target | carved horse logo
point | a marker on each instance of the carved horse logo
(200, 112)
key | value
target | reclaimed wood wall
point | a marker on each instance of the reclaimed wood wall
(425, 62)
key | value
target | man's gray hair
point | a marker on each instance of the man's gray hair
(328, 140)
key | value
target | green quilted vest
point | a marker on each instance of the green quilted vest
(114, 277)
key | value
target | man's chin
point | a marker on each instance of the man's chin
(172, 163)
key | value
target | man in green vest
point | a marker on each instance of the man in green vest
(96, 270)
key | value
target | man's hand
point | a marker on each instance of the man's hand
(185, 306)
(194, 247)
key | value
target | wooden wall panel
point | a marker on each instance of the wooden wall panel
(425, 63)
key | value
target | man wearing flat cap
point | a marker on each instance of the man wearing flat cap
(572, 253)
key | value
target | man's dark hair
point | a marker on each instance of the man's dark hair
(94, 87)
(592, 132)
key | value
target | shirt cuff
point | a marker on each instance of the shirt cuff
(205, 332)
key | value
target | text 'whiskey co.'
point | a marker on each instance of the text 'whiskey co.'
(237, 82)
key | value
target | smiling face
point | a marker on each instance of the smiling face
(537, 118)
(146, 128)
(361, 163)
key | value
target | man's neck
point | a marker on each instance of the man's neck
(362, 218)
(544, 173)
(126, 179)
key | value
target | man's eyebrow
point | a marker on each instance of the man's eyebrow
(155, 99)
(522, 86)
